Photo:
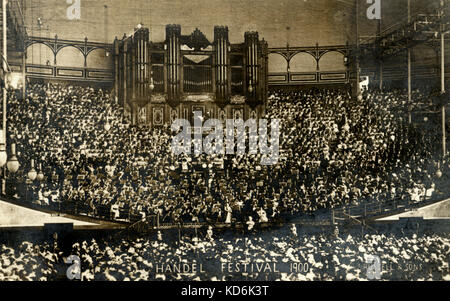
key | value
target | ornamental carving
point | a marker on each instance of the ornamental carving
(197, 40)
(237, 99)
(158, 98)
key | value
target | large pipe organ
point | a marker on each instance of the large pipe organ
(158, 82)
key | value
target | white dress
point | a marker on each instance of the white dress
(262, 216)
(228, 210)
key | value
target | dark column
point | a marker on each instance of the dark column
(252, 48)
(173, 33)
(221, 67)
(116, 69)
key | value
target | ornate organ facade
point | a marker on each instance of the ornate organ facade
(158, 82)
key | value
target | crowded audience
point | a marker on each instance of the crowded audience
(334, 151)
(316, 256)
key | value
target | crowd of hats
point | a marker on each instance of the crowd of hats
(334, 150)
(322, 256)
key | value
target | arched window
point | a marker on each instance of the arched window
(303, 62)
(70, 57)
(40, 54)
(277, 63)
(332, 61)
(97, 59)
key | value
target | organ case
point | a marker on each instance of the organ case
(184, 73)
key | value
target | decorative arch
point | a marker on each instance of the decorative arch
(324, 52)
(70, 56)
(40, 54)
(303, 62)
(91, 49)
(332, 61)
(277, 63)
(61, 47)
(97, 59)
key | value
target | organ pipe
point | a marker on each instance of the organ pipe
(173, 75)
(221, 69)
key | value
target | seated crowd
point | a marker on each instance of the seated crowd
(334, 151)
(413, 255)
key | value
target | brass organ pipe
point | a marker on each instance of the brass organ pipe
(177, 60)
(174, 71)
(140, 66)
(179, 64)
(254, 63)
(173, 65)
(144, 60)
(257, 62)
(143, 67)
(175, 86)
(146, 66)
(223, 66)
(135, 66)
(225, 63)
(219, 48)
(219, 63)
(139, 69)
(170, 65)
(172, 58)
(250, 64)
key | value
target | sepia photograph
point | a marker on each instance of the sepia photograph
(208, 141)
